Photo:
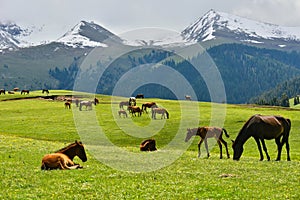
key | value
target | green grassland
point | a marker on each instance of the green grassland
(33, 127)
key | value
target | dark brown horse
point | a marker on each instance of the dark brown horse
(68, 104)
(2, 91)
(132, 101)
(161, 111)
(63, 158)
(148, 105)
(260, 128)
(148, 145)
(45, 91)
(96, 101)
(25, 92)
(208, 132)
(135, 109)
(139, 96)
(123, 103)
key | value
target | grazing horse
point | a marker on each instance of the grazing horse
(161, 111)
(25, 91)
(96, 101)
(63, 158)
(122, 112)
(45, 91)
(68, 104)
(16, 89)
(2, 91)
(139, 96)
(135, 109)
(208, 132)
(87, 104)
(260, 128)
(148, 105)
(187, 97)
(132, 101)
(123, 103)
(148, 145)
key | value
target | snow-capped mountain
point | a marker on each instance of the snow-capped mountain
(87, 34)
(218, 24)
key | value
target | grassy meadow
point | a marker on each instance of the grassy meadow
(33, 127)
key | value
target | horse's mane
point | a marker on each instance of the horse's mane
(68, 147)
(246, 124)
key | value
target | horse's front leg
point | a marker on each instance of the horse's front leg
(259, 148)
(265, 148)
(220, 146)
(199, 145)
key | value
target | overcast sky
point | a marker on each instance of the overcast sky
(120, 16)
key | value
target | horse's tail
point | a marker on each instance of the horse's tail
(167, 114)
(227, 135)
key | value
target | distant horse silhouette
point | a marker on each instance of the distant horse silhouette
(139, 96)
(123, 103)
(187, 97)
(122, 112)
(63, 158)
(68, 104)
(16, 89)
(148, 105)
(260, 128)
(96, 101)
(25, 92)
(208, 132)
(45, 91)
(2, 91)
(161, 111)
(148, 145)
(87, 104)
(132, 101)
(134, 109)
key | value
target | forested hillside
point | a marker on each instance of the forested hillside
(246, 71)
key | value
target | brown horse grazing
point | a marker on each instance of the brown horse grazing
(123, 103)
(45, 91)
(161, 111)
(87, 104)
(122, 112)
(148, 105)
(208, 132)
(68, 104)
(148, 145)
(135, 109)
(2, 91)
(25, 92)
(63, 158)
(260, 128)
(187, 97)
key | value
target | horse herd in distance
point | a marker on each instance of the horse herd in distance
(3, 91)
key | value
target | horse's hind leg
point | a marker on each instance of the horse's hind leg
(279, 148)
(206, 147)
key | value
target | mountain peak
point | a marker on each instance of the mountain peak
(218, 24)
(87, 34)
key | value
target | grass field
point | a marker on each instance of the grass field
(31, 128)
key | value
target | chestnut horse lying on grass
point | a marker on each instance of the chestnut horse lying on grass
(208, 132)
(148, 145)
(63, 158)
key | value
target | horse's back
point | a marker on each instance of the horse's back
(53, 161)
